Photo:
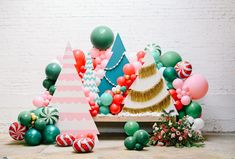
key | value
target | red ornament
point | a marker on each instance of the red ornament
(129, 69)
(17, 131)
(140, 55)
(121, 81)
(65, 140)
(173, 94)
(82, 69)
(83, 145)
(114, 108)
(183, 69)
(178, 105)
(91, 136)
(79, 57)
(118, 99)
(110, 92)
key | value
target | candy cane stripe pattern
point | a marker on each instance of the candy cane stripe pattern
(83, 145)
(50, 115)
(183, 69)
(64, 140)
(17, 131)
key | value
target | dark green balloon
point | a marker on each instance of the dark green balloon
(102, 37)
(49, 134)
(52, 89)
(139, 147)
(47, 83)
(130, 142)
(142, 137)
(104, 110)
(181, 114)
(25, 118)
(169, 85)
(131, 127)
(170, 59)
(52, 71)
(37, 111)
(40, 124)
(123, 88)
(193, 109)
(169, 74)
(33, 137)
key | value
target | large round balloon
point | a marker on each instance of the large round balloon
(130, 142)
(142, 137)
(49, 134)
(131, 127)
(193, 109)
(40, 124)
(33, 137)
(198, 86)
(47, 83)
(52, 71)
(106, 99)
(102, 37)
(170, 74)
(25, 118)
(170, 59)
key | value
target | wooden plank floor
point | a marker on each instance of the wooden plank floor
(217, 146)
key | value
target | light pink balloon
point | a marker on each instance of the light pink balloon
(178, 83)
(178, 90)
(46, 102)
(44, 96)
(179, 96)
(198, 86)
(38, 101)
(185, 88)
(94, 52)
(185, 100)
(49, 97)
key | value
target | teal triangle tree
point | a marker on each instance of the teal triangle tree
(114, 67)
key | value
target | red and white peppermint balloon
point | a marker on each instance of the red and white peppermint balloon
(65, 140)
(83, 145)
(17, 131)
(183, 69)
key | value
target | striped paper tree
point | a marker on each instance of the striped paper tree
(70, 100)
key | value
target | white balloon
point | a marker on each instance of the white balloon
(118, 87)
(114, 89)
(198, 124)
(190, 119)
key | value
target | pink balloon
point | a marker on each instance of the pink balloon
(198, 86)
(185, 100)
(178, 91)
(44, 96)
(178, 83)
(38, 101)
(179, 96)
(185, 88)
(49, 97)
(46, 102)
(98, 60)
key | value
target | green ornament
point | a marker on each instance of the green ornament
(106, 99)
(49, 134)
(130, 142)
(37, 111)
(131, 127)
(40, 124)
(159, 65)
(25, 118)
(50, 115)
(139, 147)
(181, 114)
(102, 37)
(193, 109)
(170, 59)
(104, 110)
(33, 137)
(169, 85)
(47, 83)
(142, 137)
(123, 88)
(169, 74)
(52, 89)
(52, 71)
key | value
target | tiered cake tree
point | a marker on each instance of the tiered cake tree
(148, 93)
(70, 100)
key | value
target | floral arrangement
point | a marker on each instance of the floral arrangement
(179, 133)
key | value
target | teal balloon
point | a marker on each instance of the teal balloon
(156, 55)
(130, 142)
(32, 137)
(102, 37)
(25, 118)
(49, 134)
(169, 74)
(37, 111)
(193, 109)
(159, 65)
(48, 83)
(169, 85)
(181, 114)
(139, 147)
(142, 137)
(131, 127)
(104, 110)
(40, 124)
(123, 88)
(52, 71)
(106, 99)
(52, 89)
(170, 59)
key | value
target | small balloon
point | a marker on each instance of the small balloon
(129, 69)
(52, 71)
(193, 109)
(106, 99)
(178, 83)
(169, 74)
(115, 108)
(185, 100)
(33, 137)
(38, 101)
(198, 124)
(130, 142)
(104, 110)
(121, 81)
(131, 127)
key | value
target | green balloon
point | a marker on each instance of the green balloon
(131, 127)
(130, 142)
(142, 137)
(104, 110)
(169, 85)
(193, 109)
(37, 111)
(106, 99)
(181, 114)
(52, 71)
(47, 83)
(169, 74)
(102, 37)
(52, 89)
(123, 88)
(170, 59)
(33, 137)
(159, 65)
(139, 147)
(25, 118)
(49, 134)
(40, 124)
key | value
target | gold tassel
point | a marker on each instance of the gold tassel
(158, 107)
(142, 96)
(147, 71)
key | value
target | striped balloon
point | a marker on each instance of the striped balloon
(50, 115)
(65, 140)
(83, 145)
(17, 131)
(183, 69)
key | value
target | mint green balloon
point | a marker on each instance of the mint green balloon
(32, 137)
(131, 127)
(37, 111)
(170, 59)
(106, 99)
(104, 110)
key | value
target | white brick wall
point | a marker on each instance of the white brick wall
(34, 32)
